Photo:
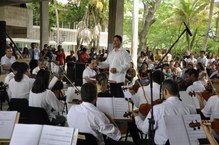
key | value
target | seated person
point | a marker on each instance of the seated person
(102, 85)
(88, 119)
(130, 74)
(89, 71)
(11, 75)
(21, 84)
(41, 65)
(171, 106)
(41, 96)
(7, 60)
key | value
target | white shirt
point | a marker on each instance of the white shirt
(171, 106)
(139, 98)
(35, 70)
(9, 77)
(7, 61)
(121, 61)
(211, 108)
(88, 119)
(36, 53)
(193, 60)
(203, 60)
(46, 100)
(88, 72)
(197, 87)
(20, 89)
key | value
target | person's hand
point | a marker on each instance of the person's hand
(113, 70)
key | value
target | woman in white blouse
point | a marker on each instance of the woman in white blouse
(21, 84)
(41, 96)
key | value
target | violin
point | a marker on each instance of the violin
(215, 125)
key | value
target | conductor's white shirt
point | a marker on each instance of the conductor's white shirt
(211, 108)
(88, 119)
(46, 100)
(20, 89)
(139, 98)
(171, 106)
(121, 61)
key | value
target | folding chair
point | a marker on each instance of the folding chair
(37, 115)
(86, 139)
(20, 105)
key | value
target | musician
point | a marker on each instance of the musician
(138, 98)
(21, 84)
(118, 61)
(11, 75)
(171, 106)
(89, 71)
(192, 76)
(102, 85)
(41, 96)
(7, 60)
(41, 65)
(88, 119)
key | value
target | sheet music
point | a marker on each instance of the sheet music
(105, 105)
(7, 121)
(127, 94)
(194, 133)
(75, 137)
(56, 135)
(120, 106)
(176, 130)
(187, 99)
(25, 134)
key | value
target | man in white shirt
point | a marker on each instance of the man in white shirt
(34, 56)
(138, 98)
(41, 65)
(7, 60)
(171, 106)
(89, 73)
(203, 59)
(89, 119)
(118, 61)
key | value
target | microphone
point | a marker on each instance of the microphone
(187, 29)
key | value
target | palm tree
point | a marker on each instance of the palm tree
(192, 12)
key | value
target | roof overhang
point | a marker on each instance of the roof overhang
(15, 2)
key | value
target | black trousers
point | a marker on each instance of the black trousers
(33, 64)
(116, 89)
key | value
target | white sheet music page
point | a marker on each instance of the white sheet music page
(187, 99)
(127, 94)
(176, 130)
(194, 131)
(105, 105)
(120, 106)
(56, 135)
(26, 134)
(7, 121)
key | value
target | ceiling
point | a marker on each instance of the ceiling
(14, 2)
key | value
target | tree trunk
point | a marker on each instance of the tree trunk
(149, 19)
(217, 27)
(205, 42)
(57, 23)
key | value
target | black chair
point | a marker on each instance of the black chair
(37, 115)
(86, 139)
(20, 105)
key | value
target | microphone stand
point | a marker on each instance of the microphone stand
(151, 130)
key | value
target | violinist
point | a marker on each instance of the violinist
(171, 106)
(89, 73)
(138, 98)
(102, 85)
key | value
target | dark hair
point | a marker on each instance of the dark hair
(192, 72)
(88, 92)
(158, 76)
(42, 81)
(102, 80)
(25, 51)
(171, 86)
(15, 65)
(21, 69)
(119, 37)
(90, 59)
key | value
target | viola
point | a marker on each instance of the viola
(215, 125)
